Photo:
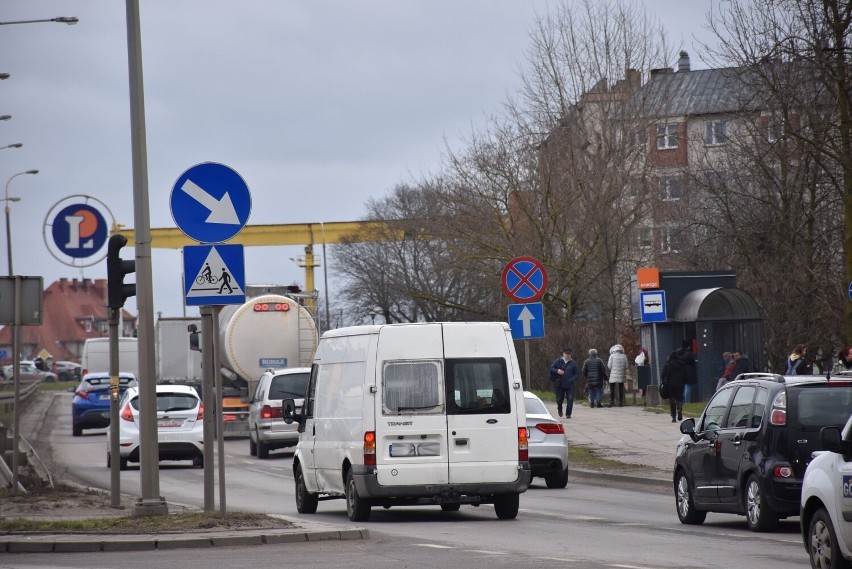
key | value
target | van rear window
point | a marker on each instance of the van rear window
(828, 405)
(411, 387)
(477, 385)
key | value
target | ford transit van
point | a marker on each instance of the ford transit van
(413, 414)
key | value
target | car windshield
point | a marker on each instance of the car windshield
(171, 402)
(827, 405)
(292, 385)
(534, 407)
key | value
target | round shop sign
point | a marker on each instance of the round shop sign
(76, 230)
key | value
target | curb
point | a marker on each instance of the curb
(655, 482)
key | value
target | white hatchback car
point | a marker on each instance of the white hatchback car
(180, 432)
(267, 429)
(548, 445)
(826, 515)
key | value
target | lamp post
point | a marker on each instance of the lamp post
(7, 199)
(5, 117)
(15, 145)
(4, 76)
(70, 20)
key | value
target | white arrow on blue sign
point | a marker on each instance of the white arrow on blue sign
(210, 203)
(526, 321)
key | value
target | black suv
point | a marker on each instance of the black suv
(748, 451)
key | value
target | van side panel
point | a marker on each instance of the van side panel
(338, 417)
(95, 356)
(483, 447)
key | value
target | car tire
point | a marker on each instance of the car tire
(122, 463)
(758, 514)
(557, 479)
(77, 430)
(198, 461)
(252, 446)
(306, 503)
(109, 460)
(357, 507)
(823, 549)
(451, 507)
(506, 506)
(63, 377)
(262, 448)
(685, 504)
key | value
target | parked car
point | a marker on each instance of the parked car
(548, 445)
(748, 452)
(180, 432)
(90, 406)
(827, 501)
(67, 371)
(267, 429)
(29, 372)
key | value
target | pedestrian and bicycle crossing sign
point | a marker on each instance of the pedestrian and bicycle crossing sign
(214, 275)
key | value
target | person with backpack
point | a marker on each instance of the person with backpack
(594, 370)
(679, 369)
(563, 374)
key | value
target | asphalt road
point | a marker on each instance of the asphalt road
(583, 525)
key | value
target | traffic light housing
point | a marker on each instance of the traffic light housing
(117, 269)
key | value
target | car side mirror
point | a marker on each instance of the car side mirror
(288, 409)
(687, 427)
(830, 439)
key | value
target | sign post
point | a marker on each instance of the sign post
(524, 280)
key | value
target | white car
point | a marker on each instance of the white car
(826, 513)
(180, 431)
(548, 445)
(267, 429)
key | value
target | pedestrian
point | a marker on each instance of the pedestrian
(692, 374)
(727, 368)
(844, 360)
(618, 366)
(796, 364)
(741, 364)
(674, 376)
(563, 374)
(594, 371)
(642, 358)
(643, 370)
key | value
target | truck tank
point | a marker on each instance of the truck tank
(268, 331)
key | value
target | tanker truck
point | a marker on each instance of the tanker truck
(267, 331)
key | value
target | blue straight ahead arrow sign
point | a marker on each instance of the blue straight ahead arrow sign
(526, 321)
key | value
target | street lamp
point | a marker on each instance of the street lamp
(70, 20)
(15, 145)
(4, 76)
(5, 117)
(7, 199)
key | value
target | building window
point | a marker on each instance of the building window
(715, 133)
(667, 136)
(671, 240)
(670, 188)
(645, 238)
(88, 325)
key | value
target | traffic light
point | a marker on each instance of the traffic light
(117, 268)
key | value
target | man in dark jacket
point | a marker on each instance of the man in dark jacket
(594, 370)
(563, 374)
(678, 371)
(741, 365)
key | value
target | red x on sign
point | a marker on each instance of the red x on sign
(524, 279)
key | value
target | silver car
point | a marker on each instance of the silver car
(267, 429)
(548, 445)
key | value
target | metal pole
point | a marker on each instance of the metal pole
(220, 419)
(151, 503)
(114, 452)
(8, 232)
(656, 354)
(208, 395)
(527, 358)
(16, 369)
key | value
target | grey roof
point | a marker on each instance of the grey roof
(717, 304)
(701, 92)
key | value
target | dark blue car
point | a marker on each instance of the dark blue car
(90, 408)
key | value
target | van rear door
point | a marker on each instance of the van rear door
(482, 408)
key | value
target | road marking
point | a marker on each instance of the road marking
(436, 546)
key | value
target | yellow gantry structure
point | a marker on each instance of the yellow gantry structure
(307, 234)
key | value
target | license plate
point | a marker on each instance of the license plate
(169, 424)
(103, 397)
(847, 486)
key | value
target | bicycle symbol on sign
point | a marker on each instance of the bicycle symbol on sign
(206, 276)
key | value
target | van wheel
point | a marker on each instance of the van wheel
(450, 507)
(506, 506)
(306, 503)
(557, 479)
(252, 447)
(76, 430)
(684, 503)
(758, 514)
(262, 449)
(823, 549)
(357, 508)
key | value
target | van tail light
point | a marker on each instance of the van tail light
(127, 414)
(783, 471)
(370, 448)
(778, 415)
(523, 445)
(551, 428)
(200, 415)
(268, 412)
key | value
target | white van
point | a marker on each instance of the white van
(413, 414)
(95, 357)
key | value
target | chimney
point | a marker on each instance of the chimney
(661, 71)
(683, 62)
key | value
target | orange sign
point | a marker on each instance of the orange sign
(648, 278)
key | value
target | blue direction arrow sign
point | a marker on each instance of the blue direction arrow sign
(214, 275)
(526, 321)
(653, 305)
(210, 203)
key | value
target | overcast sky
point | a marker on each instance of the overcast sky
(318, 105)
